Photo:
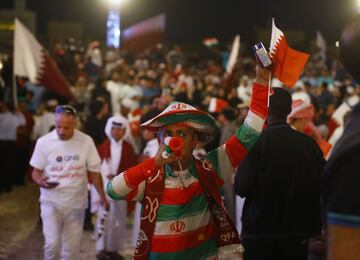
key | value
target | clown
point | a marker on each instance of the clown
(183, 216)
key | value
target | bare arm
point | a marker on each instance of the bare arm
(96, 180)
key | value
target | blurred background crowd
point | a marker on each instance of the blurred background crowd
(109, 81)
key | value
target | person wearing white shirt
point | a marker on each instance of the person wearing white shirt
(244, 90)
(61, 161)
(45, 121)
(117, 155)
(9, 123)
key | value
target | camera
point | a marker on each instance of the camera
(262, 54)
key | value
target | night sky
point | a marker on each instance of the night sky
(191, 20)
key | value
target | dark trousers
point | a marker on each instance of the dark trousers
(275, 248)
(22, 164)
(7, 156)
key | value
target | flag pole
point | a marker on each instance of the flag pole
(269, 89)
(14, 85)
(14, 91)
(270, 75)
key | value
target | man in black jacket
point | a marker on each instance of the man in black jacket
(342, 173)
(280, 180)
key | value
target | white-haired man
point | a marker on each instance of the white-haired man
(61, 161)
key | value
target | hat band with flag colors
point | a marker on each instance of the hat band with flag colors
(287, 62)
(178, 112)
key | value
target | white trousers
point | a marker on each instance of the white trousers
(62, 228)
(113, 234)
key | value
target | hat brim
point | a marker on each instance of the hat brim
(200, 121)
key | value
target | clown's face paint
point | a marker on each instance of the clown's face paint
(188, 135)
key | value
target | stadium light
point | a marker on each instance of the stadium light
(357, 3)
(113, 28)
(116, 3)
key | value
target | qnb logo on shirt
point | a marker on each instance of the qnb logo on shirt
(67, 158)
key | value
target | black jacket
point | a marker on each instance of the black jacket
(280, 179)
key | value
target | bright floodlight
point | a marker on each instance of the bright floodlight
(116, 3)
(113, 29)
(337, 44)
(357, 3)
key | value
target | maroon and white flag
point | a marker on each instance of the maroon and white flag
(32, 61)
(288, 63)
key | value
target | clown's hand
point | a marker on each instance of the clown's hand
(262, 75)
(159, 158)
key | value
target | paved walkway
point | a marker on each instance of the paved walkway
(20, 229)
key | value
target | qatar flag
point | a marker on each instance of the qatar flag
(32, 61)
(287, 62)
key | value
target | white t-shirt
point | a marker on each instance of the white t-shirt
(9, 122)
(66, 162)
(118, 92)
(115, 89)
(43, 124)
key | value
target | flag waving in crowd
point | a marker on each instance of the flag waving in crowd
(321, 43)
(287, 62)
(233, 55)
(32, 61)
(229, 80)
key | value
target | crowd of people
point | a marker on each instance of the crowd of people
(116, 91)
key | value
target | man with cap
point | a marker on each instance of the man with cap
(280, 180)
(117, 155)
(183, 216)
